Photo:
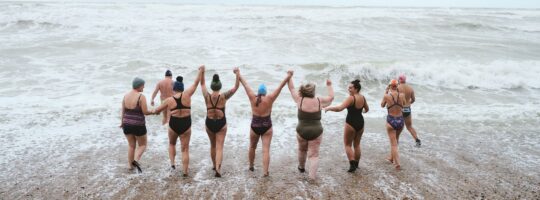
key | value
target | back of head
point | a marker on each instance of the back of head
(137, 82)
(216, 83)
(356, 85)
(168, 73)
(307, 90)
(402, 78)
(179, 84)
(393, 83)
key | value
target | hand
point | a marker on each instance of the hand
(201, 68)
(326, 109)
(152, 103)
(236, 71)
(121, 125)
(328, 82)
(290, 72)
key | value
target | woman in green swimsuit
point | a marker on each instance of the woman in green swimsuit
(309, 127)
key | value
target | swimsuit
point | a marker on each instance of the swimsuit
(260, 125)
(406, 111)
(396, 122)
(133, 121)
(309, 123)
(180, 124)
(354, 115)
(215, 125)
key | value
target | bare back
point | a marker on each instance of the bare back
(408, 92)
(215, 105)
(394, 103)
(186, 101)
(309, 104)
(165, 88)
(264, 108)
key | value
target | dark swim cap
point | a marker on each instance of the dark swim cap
(168, 73)
(216, 83)
(178, 84)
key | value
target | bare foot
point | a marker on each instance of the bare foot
(398, 167)
(389, 159)
(267, 174)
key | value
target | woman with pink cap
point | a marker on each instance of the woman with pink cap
(393, 101)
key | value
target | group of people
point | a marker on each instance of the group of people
(176, 108)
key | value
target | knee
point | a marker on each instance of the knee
(184, 149)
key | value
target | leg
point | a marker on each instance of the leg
(410, 128)
(184, 147)
(212, 138)
(266, 140)
(302, 152)
(173, 137)
(165, 119)
(131, 149)
(392, 135)
(348, 138)
(356, 144)
(313, 155)
(220, 140)
(141, 140)
(253, 140)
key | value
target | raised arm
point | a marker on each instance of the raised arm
(193, 87)
(249, 91)
(274, 95)
(327, 100)
(204, 90)
(231, 92)
(346, 103)
(154, 94)
(290, 84)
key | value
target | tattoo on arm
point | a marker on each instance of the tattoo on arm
(228, 94)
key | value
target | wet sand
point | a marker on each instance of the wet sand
(448, 166)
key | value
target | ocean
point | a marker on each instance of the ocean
(66, 66)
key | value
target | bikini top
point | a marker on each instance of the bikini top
(179, 104)
(303, 115)
(394, 100)
(214, 106)
(352, 108)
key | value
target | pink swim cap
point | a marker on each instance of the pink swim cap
(402, 78)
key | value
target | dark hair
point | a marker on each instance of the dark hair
(168, 73)
(356, 85)
(178, 84)
(216, 83)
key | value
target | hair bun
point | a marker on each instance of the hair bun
(215, 78)
(179, 78)
(357, 80)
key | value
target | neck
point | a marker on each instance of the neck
(169, 77)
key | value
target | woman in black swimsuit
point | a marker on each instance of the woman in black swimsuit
(180, 120)
(216, 123)
(354, 126)
(261, 123)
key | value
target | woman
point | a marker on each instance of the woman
(216, 123)
(133, 122)
(261, 123)
(354, 123)
(309, 126)
(394, 101)
(180, 120)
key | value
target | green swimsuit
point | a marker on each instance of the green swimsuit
(309, 123)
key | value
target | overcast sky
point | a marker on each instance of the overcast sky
(400, 3)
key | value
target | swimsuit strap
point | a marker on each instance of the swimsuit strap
(319, 103)
(138, 99)
(301, 103)
(214, 106)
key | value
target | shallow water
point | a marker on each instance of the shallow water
(474, 71)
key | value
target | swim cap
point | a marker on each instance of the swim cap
(262, 89)
(216, 83)
(393, 82)
(168, 73)
(137, 82)
(402, 78)
(178, 84)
